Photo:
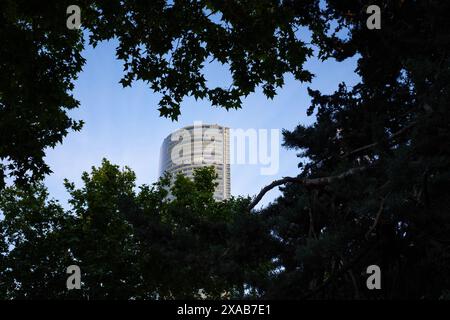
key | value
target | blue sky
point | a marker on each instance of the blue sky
(124, 126)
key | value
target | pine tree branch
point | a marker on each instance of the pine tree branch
(326, 180)
(355, 284)
(377, 218)
(306, 182)
(393, 136)
(311, 231)
(340, 272)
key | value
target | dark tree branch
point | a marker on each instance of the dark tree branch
(306, 182)
(311, 232)
(340, 272)
(377, 218)
(325, 180)
(355, 284)
(393, 136)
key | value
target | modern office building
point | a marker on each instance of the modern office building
(198, 146)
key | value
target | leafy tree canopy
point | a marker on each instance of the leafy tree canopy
(163, 43)
(131, 243)
(374, 187)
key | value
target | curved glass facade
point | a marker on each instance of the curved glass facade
(198, 146)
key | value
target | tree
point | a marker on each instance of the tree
(104, 246)
(375, 188)
(132, 245)
(39, 60)
(34, 250)
(192, 246)
(164, 43)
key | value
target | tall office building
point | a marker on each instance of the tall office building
(198, 146)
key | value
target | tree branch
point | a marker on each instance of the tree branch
(377, 218)
(340, 272)
(326, 180)
(311, 231)
(305, 182)
(393, 136)
(355, 284)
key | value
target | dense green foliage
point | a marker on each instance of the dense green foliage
(131, 244)
(315, 241)
(395, 123)
(39, 60)
(164, 43)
